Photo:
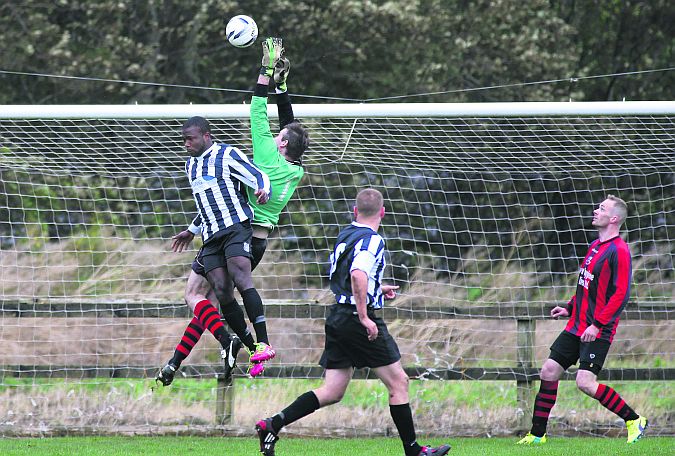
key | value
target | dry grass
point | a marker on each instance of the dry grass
(124, 269)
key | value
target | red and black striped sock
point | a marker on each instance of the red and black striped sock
(543, 403)
(210, 319)
(191, 336)
(614, 403)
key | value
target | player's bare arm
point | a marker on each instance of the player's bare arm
(181, 241)
(360, 290)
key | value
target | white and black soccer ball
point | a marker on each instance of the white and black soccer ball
(241, 31)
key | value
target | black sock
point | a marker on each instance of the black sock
(402, 416)
(235, 319)
(256, 314)
(304, 405)
(543, 403)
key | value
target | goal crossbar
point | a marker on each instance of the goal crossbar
(347, 110)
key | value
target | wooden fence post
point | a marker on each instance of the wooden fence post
(224, 399)
(525, 359)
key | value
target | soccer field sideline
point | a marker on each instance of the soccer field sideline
(160, 446)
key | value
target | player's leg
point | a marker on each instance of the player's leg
(240, 268)
(223, 288)
(331, 391)
(238, 254)
(258, 248)
(196, 290)
(564, 353)
(592, 358)
(396, 380)
(254, 307)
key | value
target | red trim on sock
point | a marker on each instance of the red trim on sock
(545, 405)
(199, 307)
(212, 321)
(600, 391)
(196, 323)
(614, 401)
(196, 334)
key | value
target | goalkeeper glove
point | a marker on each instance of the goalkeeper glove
(272, 51)
(281, 73)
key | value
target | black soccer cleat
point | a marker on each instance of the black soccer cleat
(429, 451)
(229, 355)
(166, 373)
(268, 438)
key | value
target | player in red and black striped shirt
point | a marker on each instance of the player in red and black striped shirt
(603, 287)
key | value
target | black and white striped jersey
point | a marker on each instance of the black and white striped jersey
(359, 247)
(217, 178)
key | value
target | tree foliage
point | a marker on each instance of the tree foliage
(351, 49)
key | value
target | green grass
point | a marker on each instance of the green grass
(362, 393)
(161, 446)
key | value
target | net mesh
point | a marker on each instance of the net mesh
(487, 219)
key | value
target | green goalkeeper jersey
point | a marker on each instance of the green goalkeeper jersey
(283, 175)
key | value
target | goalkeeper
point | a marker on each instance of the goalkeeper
(280, 157)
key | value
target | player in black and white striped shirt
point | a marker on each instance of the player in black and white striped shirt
(356, 336)
(218, 174)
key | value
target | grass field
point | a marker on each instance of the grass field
(463, 408)
(161, 446)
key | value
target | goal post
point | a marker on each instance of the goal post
(488, 215)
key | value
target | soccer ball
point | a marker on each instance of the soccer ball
(241, 31)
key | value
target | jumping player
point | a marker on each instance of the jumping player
(280, 158)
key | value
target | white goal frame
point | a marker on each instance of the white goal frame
(442, 327)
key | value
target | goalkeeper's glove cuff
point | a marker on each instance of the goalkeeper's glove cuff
(266, 71)
(261, 90)
(282, 97)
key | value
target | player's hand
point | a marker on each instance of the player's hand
(389, 291)
(281, 71)
(590, 334)
(272, 50)
(371, 328)
(181, 241)
(262, 196)
(558, 311)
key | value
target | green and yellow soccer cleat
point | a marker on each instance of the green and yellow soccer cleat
(531, 439)
(636, 429)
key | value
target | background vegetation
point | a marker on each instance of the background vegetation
(353, 49)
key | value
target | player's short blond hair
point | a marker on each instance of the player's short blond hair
(369, 202)
(620, 208)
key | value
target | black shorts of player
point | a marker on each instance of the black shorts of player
(258, 247)
(233, 241)
(347, 343)
(568, 349)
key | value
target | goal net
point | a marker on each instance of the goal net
(488, 216)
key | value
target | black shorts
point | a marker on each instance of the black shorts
(568, 349)
(231, 242)
(258, 247)
(347, 343)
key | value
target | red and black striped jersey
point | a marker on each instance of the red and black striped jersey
(603, 287)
